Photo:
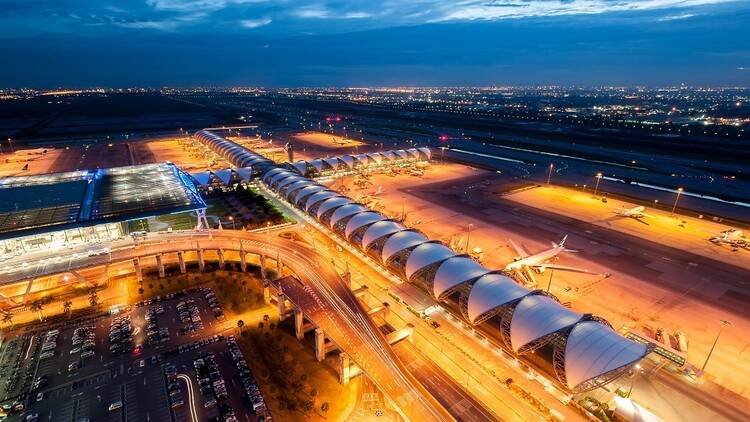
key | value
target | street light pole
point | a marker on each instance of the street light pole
(549, 175)
(598, 179)
(468, 233)
(674, 207)
(551, 273)
(724, 323)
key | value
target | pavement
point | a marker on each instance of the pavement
(348, 324)
(656, 283)
(137, 379)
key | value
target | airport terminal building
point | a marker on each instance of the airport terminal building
(580, 351)
(66, 209)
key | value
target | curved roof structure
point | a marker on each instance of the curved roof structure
(317, 163)
(363, 159)
(593, 349)
(425, 255)
(317, 197)
(402, 240)
(333, 162)
(278, 177)
(380, 229)
(299, 184)
(454, 272)
(301, 167)
(305, 193)
(402, 154)
(536, 316)
(346, 211)
(289, 181)
(348, 160)
(390, 155)
(332, 203)
(490, 292)
(593, 353)
(376, 157)
(360, 220)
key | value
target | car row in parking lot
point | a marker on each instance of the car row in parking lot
(212, 383)
(121, 335)
(190, 316)
(154, 334)
(49, 344)
(246, 377)
(213, 302)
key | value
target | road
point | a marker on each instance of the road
(339, 313)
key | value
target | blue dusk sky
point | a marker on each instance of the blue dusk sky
(181, 43)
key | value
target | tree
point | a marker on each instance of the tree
(240, 324)
(260, 325)
(140, 292)
(8, 318)
(93, 298)
(67, 305)
(324, 407)
(37, 307)
(266, 317)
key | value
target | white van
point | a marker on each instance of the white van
(115, 405)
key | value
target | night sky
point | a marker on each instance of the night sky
(182, 43)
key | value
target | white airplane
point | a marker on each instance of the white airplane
(636, 212)
(733, 237)
(526, 263)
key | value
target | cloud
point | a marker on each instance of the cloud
(192, 5)
(161, 25)
(496, 10)
(676, 17)
(324, 13)
(255, 23)
(312, 13)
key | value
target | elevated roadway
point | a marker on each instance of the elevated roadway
(335, 308)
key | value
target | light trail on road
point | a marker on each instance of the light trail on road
(191, 397)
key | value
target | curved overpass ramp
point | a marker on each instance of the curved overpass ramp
(338, 311)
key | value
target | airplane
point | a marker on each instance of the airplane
(526, 264)
(733, 237)
(635, 212)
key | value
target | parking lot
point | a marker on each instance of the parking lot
(137, 365)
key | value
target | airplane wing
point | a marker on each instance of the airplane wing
(572, 269)
(641, 221)
(519, 250)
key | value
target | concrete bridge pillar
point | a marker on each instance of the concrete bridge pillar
(344, 368)
(266, 293)
(160, 265)
(320, 344)
(281, 302)
(243, 261)
(201, 262)
(278, 264)
(181, 258)
(299, 324)
(138, 271)
(220, 252)
(382, 311)
(360, 291)
(263, 267)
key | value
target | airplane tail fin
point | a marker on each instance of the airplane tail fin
(562, 242)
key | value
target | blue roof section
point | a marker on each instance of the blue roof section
(45, 203)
